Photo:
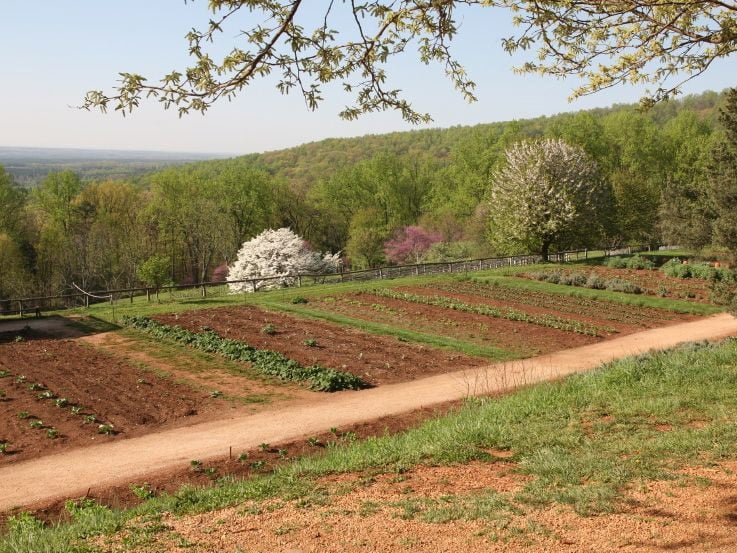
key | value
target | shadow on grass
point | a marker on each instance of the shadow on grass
(54, 327)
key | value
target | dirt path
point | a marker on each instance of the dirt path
(72, 473)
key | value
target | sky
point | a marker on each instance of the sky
(52, 52)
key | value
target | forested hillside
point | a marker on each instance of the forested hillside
(355, 195)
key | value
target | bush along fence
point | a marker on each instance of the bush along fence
(266, 362)
(29, 306)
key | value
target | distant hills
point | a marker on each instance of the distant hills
(30, 165)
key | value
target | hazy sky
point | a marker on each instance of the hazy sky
(52, 52)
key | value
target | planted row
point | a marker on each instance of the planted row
(267, 362)
(593, 281)
(551, 321)
(579, 305)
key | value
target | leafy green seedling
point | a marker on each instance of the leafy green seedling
(106, 428)
(269, 329)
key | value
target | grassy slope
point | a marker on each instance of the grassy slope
(582, 440)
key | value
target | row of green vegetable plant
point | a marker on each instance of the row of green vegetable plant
(579, 305)
(550, 321)
(267, 362)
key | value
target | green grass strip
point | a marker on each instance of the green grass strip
(267, 362)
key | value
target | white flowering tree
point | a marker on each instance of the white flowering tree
(277, 253)
(548, 193)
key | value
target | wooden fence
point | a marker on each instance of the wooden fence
(190, 292)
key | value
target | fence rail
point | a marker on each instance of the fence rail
(184, 292)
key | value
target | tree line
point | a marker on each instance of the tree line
(665, 173)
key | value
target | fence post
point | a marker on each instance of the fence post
(299, 280)
(87, 302)
(20, 311)
(148, 294)
(381, 273)
(450, 266)
(253, 285)
(204, 290)
(131, 294)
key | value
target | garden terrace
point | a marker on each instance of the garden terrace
(624, 318)
(375, 359)
(73, 389)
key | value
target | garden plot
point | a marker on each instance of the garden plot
(598, 313)
(375, 359)
(58, 394)
(516, 337)
(524, 322)
(651, 281)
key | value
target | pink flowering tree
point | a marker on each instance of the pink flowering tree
(409, 244)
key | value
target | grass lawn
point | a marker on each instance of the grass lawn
(580, 441)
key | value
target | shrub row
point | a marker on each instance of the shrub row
(635, 262)
(675, 268)
(551, 321)
(267, 362)
(593, 281)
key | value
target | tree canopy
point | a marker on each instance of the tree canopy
(660, 42)
(547, 193)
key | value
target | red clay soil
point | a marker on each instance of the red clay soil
(116, 393)
(521, 338)
(71, 473)
(243, 464)
(376, 359)
(651, 281)
(563, 305)
(591, 316)
(387, 513)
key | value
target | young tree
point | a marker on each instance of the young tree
(367, 233)
(603, 43)
(548, 193)
(410, 244)
(155, 271)
(277, 253)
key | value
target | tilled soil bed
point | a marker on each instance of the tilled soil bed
(596, 313)
(57, 393)
(521, 338)
(376, 359)
(621, 315)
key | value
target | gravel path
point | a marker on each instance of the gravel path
(72, 473)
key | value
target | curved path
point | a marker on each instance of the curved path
(72, 473)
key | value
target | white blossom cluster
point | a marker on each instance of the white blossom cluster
(277, 253)
(546, 189)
